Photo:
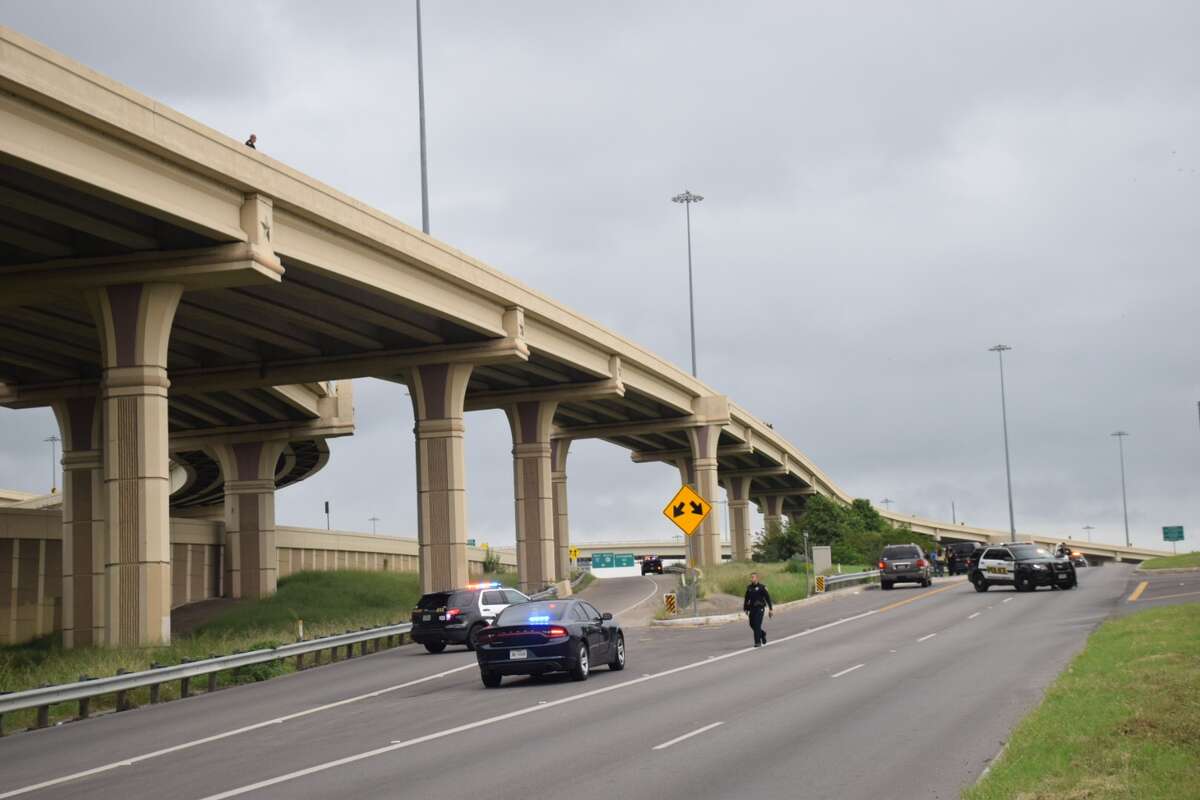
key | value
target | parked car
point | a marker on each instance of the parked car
(457, 617)
(903, 563)
(652, 564)
(1024, 567)
(548, 636)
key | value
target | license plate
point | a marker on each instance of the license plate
(517, 654)
(900, 565)
(427, 617)
(1063, 576)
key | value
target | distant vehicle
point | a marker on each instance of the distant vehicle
(1078, 559)
(961, 553)
(457, 617)
(652, 564)
(972, 561)
(903, 563)
(1024, 567)
(548, 636)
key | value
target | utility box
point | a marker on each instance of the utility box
(822, 560)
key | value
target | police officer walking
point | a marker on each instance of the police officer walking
(758, 599)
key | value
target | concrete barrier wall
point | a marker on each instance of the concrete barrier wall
(31, 563)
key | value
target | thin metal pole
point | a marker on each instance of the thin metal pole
(1012, 525)
(953, 513)
(421, 104)
(1124, 503)
(687, 207)
(53, 440)
(373, 521)
(1089, 530)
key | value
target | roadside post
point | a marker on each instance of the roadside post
(669, 603)
(1174, 535)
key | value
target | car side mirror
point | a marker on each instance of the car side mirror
(605, 616)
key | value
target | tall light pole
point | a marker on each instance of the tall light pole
(1124, 504)
(53, 440)
(421, 105)
(1088, 530)
(687, 198)
(887, 503)
(1012, 524)
(373, 521)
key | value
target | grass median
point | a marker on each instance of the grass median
(328, 602)
(1123, 721)
(732, 578)
(1181, 561)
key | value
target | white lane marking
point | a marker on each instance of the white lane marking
(976, 614)
(129, 762)
(679, 739)
(653, 592)
(927, 636)
(845, 671)
(442, 734)
(1007, 599)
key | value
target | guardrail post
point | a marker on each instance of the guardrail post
(85, 707)
(349, 651)
(154, 693)
(122, 700)
(299, 661)
(185, 687)
(212, 682)
(1, 724)
(333, 654)
(43, 716)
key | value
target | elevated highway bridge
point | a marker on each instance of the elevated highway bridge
(177, 297)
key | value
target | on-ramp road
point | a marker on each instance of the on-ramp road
(902, 694)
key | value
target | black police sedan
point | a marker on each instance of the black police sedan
(1022, 566)
(548, 636)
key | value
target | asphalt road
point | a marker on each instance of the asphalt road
(898, 694)
(1162, 588)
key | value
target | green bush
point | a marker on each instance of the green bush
(855, 534)
(491, 562)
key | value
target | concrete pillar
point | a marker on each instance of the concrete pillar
(438, 391)
(695, 543)
(251, 561)
(536, 560)
(134, 324)
(772, 509)
(737, 493)
(703, 439)
(562, 531)
(80, 423)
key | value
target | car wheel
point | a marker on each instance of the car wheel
(927, 582)
(473, 635)
(581, 667)
(981, 584)
(490, 679)
(435, 647)
(1024, 584)
(618, 660)
(885, 585)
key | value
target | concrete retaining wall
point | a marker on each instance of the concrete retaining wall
(31, 563)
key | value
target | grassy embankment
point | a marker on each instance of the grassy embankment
(328, 602)
(1123, 721)
(1181, 561)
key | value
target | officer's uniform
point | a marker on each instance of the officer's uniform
(758, 600)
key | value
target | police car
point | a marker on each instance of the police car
(457, 616)
(1022, 566)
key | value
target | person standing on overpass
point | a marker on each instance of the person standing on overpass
(758, 600)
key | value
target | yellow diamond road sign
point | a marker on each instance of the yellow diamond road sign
(687, 510)
(574, 553)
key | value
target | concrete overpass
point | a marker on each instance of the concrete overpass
(172, 293)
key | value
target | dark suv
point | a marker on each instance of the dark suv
(457, 616)
(1024, 567)
(652, 564)
(958, 556)
(903, 562)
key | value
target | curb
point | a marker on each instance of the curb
(713, 619)
(1171, 571)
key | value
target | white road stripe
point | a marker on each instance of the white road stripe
(401, 745)
(976, 614)
(843, 672)
(1007, 599)
(927, 636)
(679, 739)
(653, 592)
(129, 762)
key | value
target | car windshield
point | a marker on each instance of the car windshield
(535, 613)
(901, 551)
(1023, 551)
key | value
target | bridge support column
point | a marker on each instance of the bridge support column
(80, 424)
(134, 323)
(531, 422)
(772, 509)
(251, 562)
(562, 531)
(438, 391)
(694, 543)
(700, 472)
(737, 493)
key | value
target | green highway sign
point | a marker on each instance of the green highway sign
(602, 560)
(624, 560)
(1173, 533)
(470, 542)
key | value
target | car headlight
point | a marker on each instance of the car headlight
(1039, 566)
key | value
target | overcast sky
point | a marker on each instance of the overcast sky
(889, 190)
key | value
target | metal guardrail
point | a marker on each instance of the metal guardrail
(83, 691)
(834, 581)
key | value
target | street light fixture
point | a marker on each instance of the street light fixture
(1088, 530)
(1124, 503)
(53, 440)
(887, 503)
(1012, 525)
(687, 198)
(373, 521)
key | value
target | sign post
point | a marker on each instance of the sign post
(687, 510)
(1173, 534)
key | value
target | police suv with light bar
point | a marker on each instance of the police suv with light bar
(457, 616)
(1022, 566)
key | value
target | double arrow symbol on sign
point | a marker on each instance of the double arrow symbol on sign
(678, 511)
